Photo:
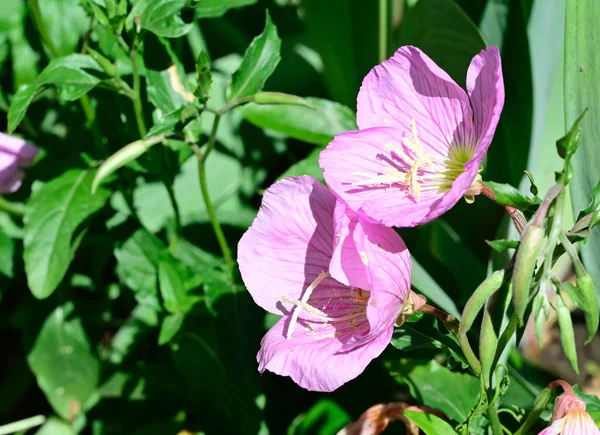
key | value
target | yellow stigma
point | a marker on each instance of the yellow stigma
(391, 175)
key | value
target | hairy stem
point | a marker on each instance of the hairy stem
(202, 156)
(492, 414)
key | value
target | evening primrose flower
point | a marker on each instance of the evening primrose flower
(340, 283)
(421, 140)
(16, 154)
(570, 418)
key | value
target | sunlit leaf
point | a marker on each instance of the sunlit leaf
(53, 227)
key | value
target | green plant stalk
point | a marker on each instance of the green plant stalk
(492, 414)
(22, 425)
(383, 29)
(143, 131)
(37, 19)
(205, 195)
(553, 236)
(12, 208)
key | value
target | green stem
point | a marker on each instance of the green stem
(137, 101)
(205, 195)
(507, 334)
(37, 18)
(143, 131)
(492, 414)
(383, 29)
(553, 236)
(22, 425)
(12, 208)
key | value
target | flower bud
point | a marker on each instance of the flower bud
(567, 334)
(587, 292)
(529, 250)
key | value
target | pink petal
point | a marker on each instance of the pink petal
(18, 147)
(314, 359)
(410, 86)
(486, 91)
(11, 176)
(580, 423)
(555, 428)
(289, 243)
(352, 156)
(372, 257)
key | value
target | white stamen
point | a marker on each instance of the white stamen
(302, 303)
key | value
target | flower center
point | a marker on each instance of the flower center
(417, 172)
(357, 296)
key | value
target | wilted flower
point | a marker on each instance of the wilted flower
(570, 418)
(339, 282)
(15, 155)
(421, 139)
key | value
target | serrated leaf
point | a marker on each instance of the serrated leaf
(166, 89)
(161, 17)
(216, 8)
(53, 230)
(70, 74)
(317, 125)
(259, 62)
(65, 368)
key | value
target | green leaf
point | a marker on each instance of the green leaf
(7, 248)
(445, 33)
(62, 361)
(502, 244)
(133, 333)
(20, 102)
(53, 227)
(307, 166)
(54, 15)
(429, 383)
(137, 265)
(324, 417)
(160, 17)
(425, 333)
(203, 77)
(509, 152)
(259, 62)
(166, 89)
(170, 327)
(173, 288)
(509, 195)
(70, 74)
(582, 89)
(317, 125)
(329, 27)
(430, 424)
(54, 426)
(423, 282)
(216, 8)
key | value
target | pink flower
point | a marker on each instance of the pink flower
(15, 155)
(570, 418)
(421, 139)
(339, 282)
